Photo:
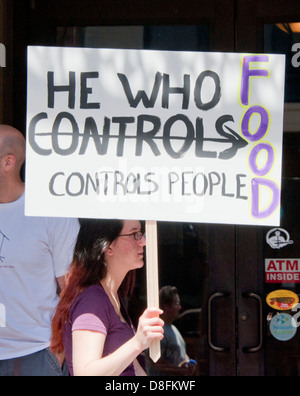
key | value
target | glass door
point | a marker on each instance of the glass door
(272, 327)
(200, 260)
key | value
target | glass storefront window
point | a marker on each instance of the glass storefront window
(176, 38)
(280, 39)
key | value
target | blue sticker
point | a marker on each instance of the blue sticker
(282, 328)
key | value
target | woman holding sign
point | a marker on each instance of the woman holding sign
(91, 324)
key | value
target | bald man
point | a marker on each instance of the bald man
(12, 157)
(34, 255)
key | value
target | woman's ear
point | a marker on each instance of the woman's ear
(109, 250)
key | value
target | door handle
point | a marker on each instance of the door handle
(260, 331)
(210, 342)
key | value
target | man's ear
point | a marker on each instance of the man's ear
(9, 161)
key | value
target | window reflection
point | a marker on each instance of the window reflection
(280, 39)
(176, 38)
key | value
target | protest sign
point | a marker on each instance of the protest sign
(154, 135)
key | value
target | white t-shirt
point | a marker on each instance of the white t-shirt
(34, 251)
(173, 345)
(173, 350)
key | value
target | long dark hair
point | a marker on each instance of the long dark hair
(87, 268)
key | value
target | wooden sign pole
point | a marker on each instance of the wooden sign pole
(152, 279)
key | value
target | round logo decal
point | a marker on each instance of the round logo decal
(282, 328)
(282, 300)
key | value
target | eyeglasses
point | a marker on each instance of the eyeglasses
(136, 235)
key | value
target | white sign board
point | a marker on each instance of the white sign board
(154, 135)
